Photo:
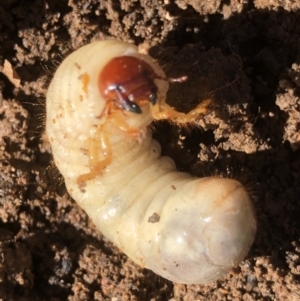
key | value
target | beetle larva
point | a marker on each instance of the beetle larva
(99, 104)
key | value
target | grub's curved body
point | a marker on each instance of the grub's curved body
(185, 229)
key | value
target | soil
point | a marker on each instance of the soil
(244, 55)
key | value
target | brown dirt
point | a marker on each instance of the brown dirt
(245, 55)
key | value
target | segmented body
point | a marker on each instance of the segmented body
(185, 229)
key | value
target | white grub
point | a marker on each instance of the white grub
(187, 230)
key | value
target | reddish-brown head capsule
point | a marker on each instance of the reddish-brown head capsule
(128, 82)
